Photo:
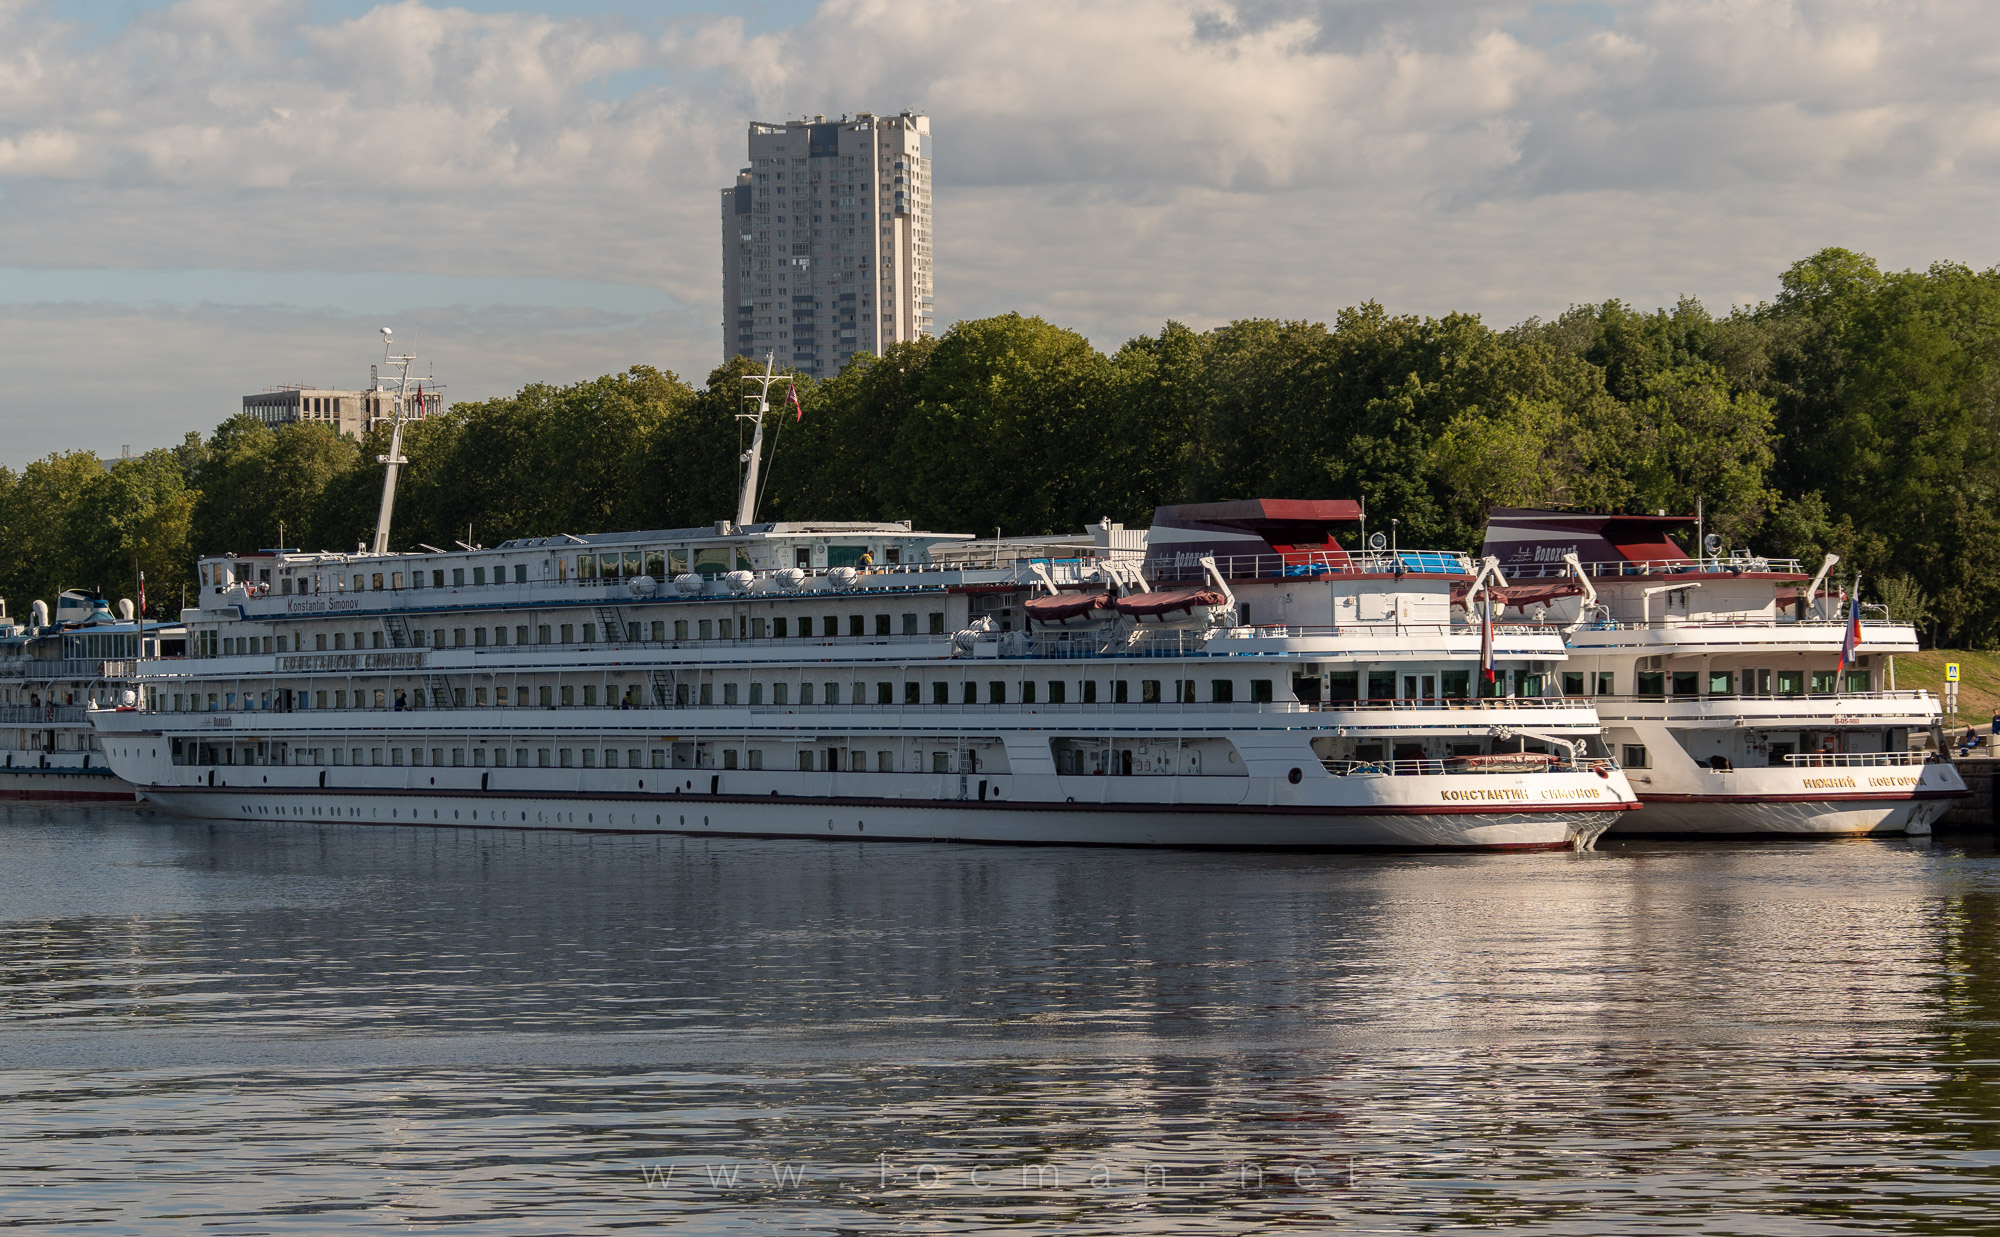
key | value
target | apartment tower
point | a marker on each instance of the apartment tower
(826, 240)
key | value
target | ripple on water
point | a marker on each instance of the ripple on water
(244, 1028)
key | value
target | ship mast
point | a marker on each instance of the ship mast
(746, 503)
(394, 459)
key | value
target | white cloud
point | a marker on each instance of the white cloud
(1108, 164)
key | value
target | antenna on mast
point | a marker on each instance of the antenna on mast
(746, 503)
(394, 459)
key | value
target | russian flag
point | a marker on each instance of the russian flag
(1850, 643)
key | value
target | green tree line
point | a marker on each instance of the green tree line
(1854, 412)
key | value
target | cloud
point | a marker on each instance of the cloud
(1108, 165)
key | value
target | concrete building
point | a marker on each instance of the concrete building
(352, 413)
(826, 240)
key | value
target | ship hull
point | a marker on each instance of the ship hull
(1216, 826)
(59, 785)
(1802, 816)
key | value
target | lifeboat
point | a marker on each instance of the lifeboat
(1059, 608)
(1170, 605)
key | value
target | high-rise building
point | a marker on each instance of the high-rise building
(826, 240)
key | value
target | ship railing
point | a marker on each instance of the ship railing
(1855, 760)
(1497, 764)
(68, 668)
(1710, 565)
(1814, 698)
(41, 715)
(1134, 709)
(1309, 564)
(1742, 621)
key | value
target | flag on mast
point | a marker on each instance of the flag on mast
(1486, 667)
(1850, 643)
(798, 410)
(142, 596)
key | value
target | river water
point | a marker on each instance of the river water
(234, 1028)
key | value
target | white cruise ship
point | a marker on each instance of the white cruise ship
(1720, 682)
(51, 673)
(860, 680)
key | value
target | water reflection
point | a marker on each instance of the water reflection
(227, 1024)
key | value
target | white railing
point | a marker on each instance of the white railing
(1484, 765)
(1758, 565)
(1854, 760)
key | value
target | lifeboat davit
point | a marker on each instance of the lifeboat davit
(1170, 605)
(1059, 608)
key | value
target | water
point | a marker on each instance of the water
(237, 1028)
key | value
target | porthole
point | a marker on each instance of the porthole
(1294, 776)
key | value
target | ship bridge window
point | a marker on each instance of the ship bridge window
(1381, 684)
(1651, 683)
(1857, 680)
(1572, 681)
(586, 566)
(1457, 684)
(656, 564)
(1684, 682)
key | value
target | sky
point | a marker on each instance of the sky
(203, 199)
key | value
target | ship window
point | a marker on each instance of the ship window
(1635, 757)
(608, 564)
(1684, 682)
(756, 757)
(1090, 691)
(707, 628)
(1457, 684)
(909, 624)
(589, 758)
(805, 626)
(632, 563)
(755, 628)
(542, 757)
(1260, 691)
(499, 635)
(1652, 683)
(437, 578)
(520, 573)
(659, 758)
(885, 693)
(1721, 682)
(590, 633)
(1058, 691)
(586, 569)
(726, 628)
(729, 693)
(779, 628)
(1149, 691)
(590, 695)
(1606, 684)
(1572, 683)
(833, 693)
(805, 760)
(656, 564)
(971, 694)
(521, 697)
(339, 640)
(937, 623)
(940, 762)
(568, 634)
(479, 575)
(458, 637)
(830, 626)
(996, 692)
(1822, 682)
(857, 624)
(381, 698)
(1857, 680)
(1028, 692)
(659, 630)
(375, 639)
(881, 624)
(378, 582)
(913, 693)
(565, 757)
(756, 693)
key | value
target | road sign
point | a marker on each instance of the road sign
(1951, 672)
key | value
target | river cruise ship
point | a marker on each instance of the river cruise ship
(1720, 680)
(868, 680)
(51, 674)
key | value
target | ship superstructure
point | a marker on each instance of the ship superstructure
(1720, 679)
(53, 670)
